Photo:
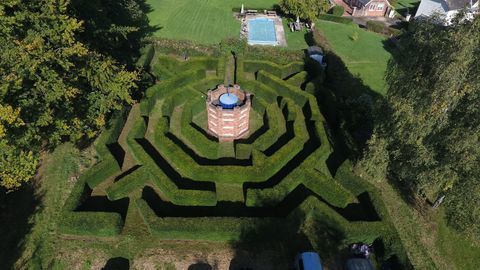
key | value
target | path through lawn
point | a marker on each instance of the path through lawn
(204, 21)
(365, 57)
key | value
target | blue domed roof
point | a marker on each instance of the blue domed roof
(228, 100)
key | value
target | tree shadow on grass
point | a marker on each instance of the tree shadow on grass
(16, 209)
(273, 243)
(345, 101)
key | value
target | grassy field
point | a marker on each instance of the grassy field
(453, 245)
(204, 21)
(365, 57)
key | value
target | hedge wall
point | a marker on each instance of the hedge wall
(277, 70)
(86, 223)
(156, 175)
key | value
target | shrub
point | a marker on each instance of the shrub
(337, 19)
(182, 47)
(337, 11)
(381, 28)
(276, 55)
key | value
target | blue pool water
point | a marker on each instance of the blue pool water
(261, 31)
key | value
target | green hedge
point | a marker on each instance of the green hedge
(276, 127)
(154, 93)
(261, 91)
(337, 10)
(86, 223)
(298, 79)
(101, 171)
(277, 70)
(198, 228)
(337, 19)
(125, 186)
(318, 183)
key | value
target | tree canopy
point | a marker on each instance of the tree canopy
(428, 133)
(305, 9)
(53, 86)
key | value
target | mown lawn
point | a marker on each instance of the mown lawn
(365, 57)
(454, 246)
(204, 21)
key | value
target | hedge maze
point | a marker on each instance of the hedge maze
(160, 173)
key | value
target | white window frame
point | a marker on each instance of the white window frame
(372, 7)
(380, 6)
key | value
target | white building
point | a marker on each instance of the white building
(447, 9)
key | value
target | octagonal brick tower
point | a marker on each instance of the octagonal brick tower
(228, 111)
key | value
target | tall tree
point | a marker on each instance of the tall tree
(428, 136)
(113, 27)
(305, 9)
(55, 87)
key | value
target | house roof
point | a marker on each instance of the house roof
(430, 7)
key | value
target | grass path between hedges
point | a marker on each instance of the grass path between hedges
(417, 235)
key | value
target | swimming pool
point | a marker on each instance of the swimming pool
(262, 31)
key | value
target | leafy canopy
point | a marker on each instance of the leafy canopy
(52, 86)
(428, 136)
(305, 9)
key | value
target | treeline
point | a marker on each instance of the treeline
(427, 133)
(64, 67)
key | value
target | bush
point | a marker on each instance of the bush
(381, 28)
(337, 11)
(86, 223)
(282, 87)
(182, 47)
(337, 19)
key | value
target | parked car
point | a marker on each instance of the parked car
(308, 261)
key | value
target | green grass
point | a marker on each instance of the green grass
(454, 246)
(204, 21)
(365, 57)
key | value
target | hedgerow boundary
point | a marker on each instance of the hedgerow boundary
(153, 159)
